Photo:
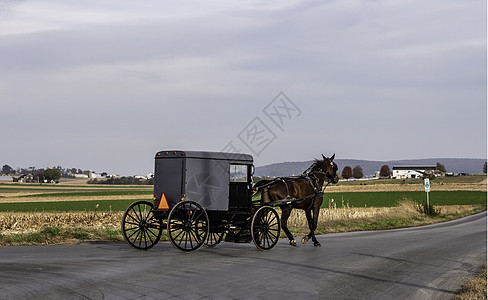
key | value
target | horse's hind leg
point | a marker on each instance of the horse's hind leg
(308, 213)
(285, 214)
(264, 196)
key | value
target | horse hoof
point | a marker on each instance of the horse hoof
(304, 239)
(293, 242)
(317, 244)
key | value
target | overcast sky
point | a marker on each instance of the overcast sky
(104, 85)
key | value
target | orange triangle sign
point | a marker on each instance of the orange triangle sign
(163, 203)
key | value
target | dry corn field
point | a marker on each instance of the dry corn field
(24, 222)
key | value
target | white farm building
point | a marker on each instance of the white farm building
(401, 172)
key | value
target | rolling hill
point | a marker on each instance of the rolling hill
(456, 165)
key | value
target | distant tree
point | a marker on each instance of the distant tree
(8, 170)
(440, 168)
(357, 172)
(39, 176)
(52, 174)
(257, 178)
(347, 172)
(385, 171)
(123, 180)
(484, 168)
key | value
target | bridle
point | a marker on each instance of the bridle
(310, 174)
(327, 177)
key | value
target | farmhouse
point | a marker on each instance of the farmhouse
(405, 171)
(25, 178)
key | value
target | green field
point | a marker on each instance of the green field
(103, 205)
(381, 199)
(28, 197)
(363, 199)
(89, 193)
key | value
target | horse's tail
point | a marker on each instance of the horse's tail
(261, 187)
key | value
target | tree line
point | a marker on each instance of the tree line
(122, 180)
(385, 172)
(65, 172)
(43, 174)
(40, 175)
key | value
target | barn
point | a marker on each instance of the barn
(405, 171)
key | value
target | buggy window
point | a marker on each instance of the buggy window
(238, 173)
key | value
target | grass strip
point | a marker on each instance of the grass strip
(474, 288)
(61, 235)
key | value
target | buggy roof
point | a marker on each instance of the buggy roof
(205, 155)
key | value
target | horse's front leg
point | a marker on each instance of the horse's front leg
(315, 220)
(285, 214)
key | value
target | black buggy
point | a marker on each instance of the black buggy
(200, 198)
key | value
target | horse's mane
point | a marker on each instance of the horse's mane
(313, 165)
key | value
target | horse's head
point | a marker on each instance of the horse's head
(328, 167)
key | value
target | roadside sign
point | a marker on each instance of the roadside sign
(427, 185)
(427, 189)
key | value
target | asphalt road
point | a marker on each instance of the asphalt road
(429, 262)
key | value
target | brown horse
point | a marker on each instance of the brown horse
(303, 192)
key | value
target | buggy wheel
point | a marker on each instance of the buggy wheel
(265, 228)
(214, 238)
(188, 226)
(140, 227)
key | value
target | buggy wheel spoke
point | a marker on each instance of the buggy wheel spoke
(144, 235)
(213, 238)
(138, 238)
(134, 216)
(178, 235)
(132, 223)
(135, 232)
(194, 234)
(148, 234)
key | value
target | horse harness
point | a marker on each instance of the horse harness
(310, 178)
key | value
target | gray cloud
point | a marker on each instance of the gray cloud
(375, 80)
